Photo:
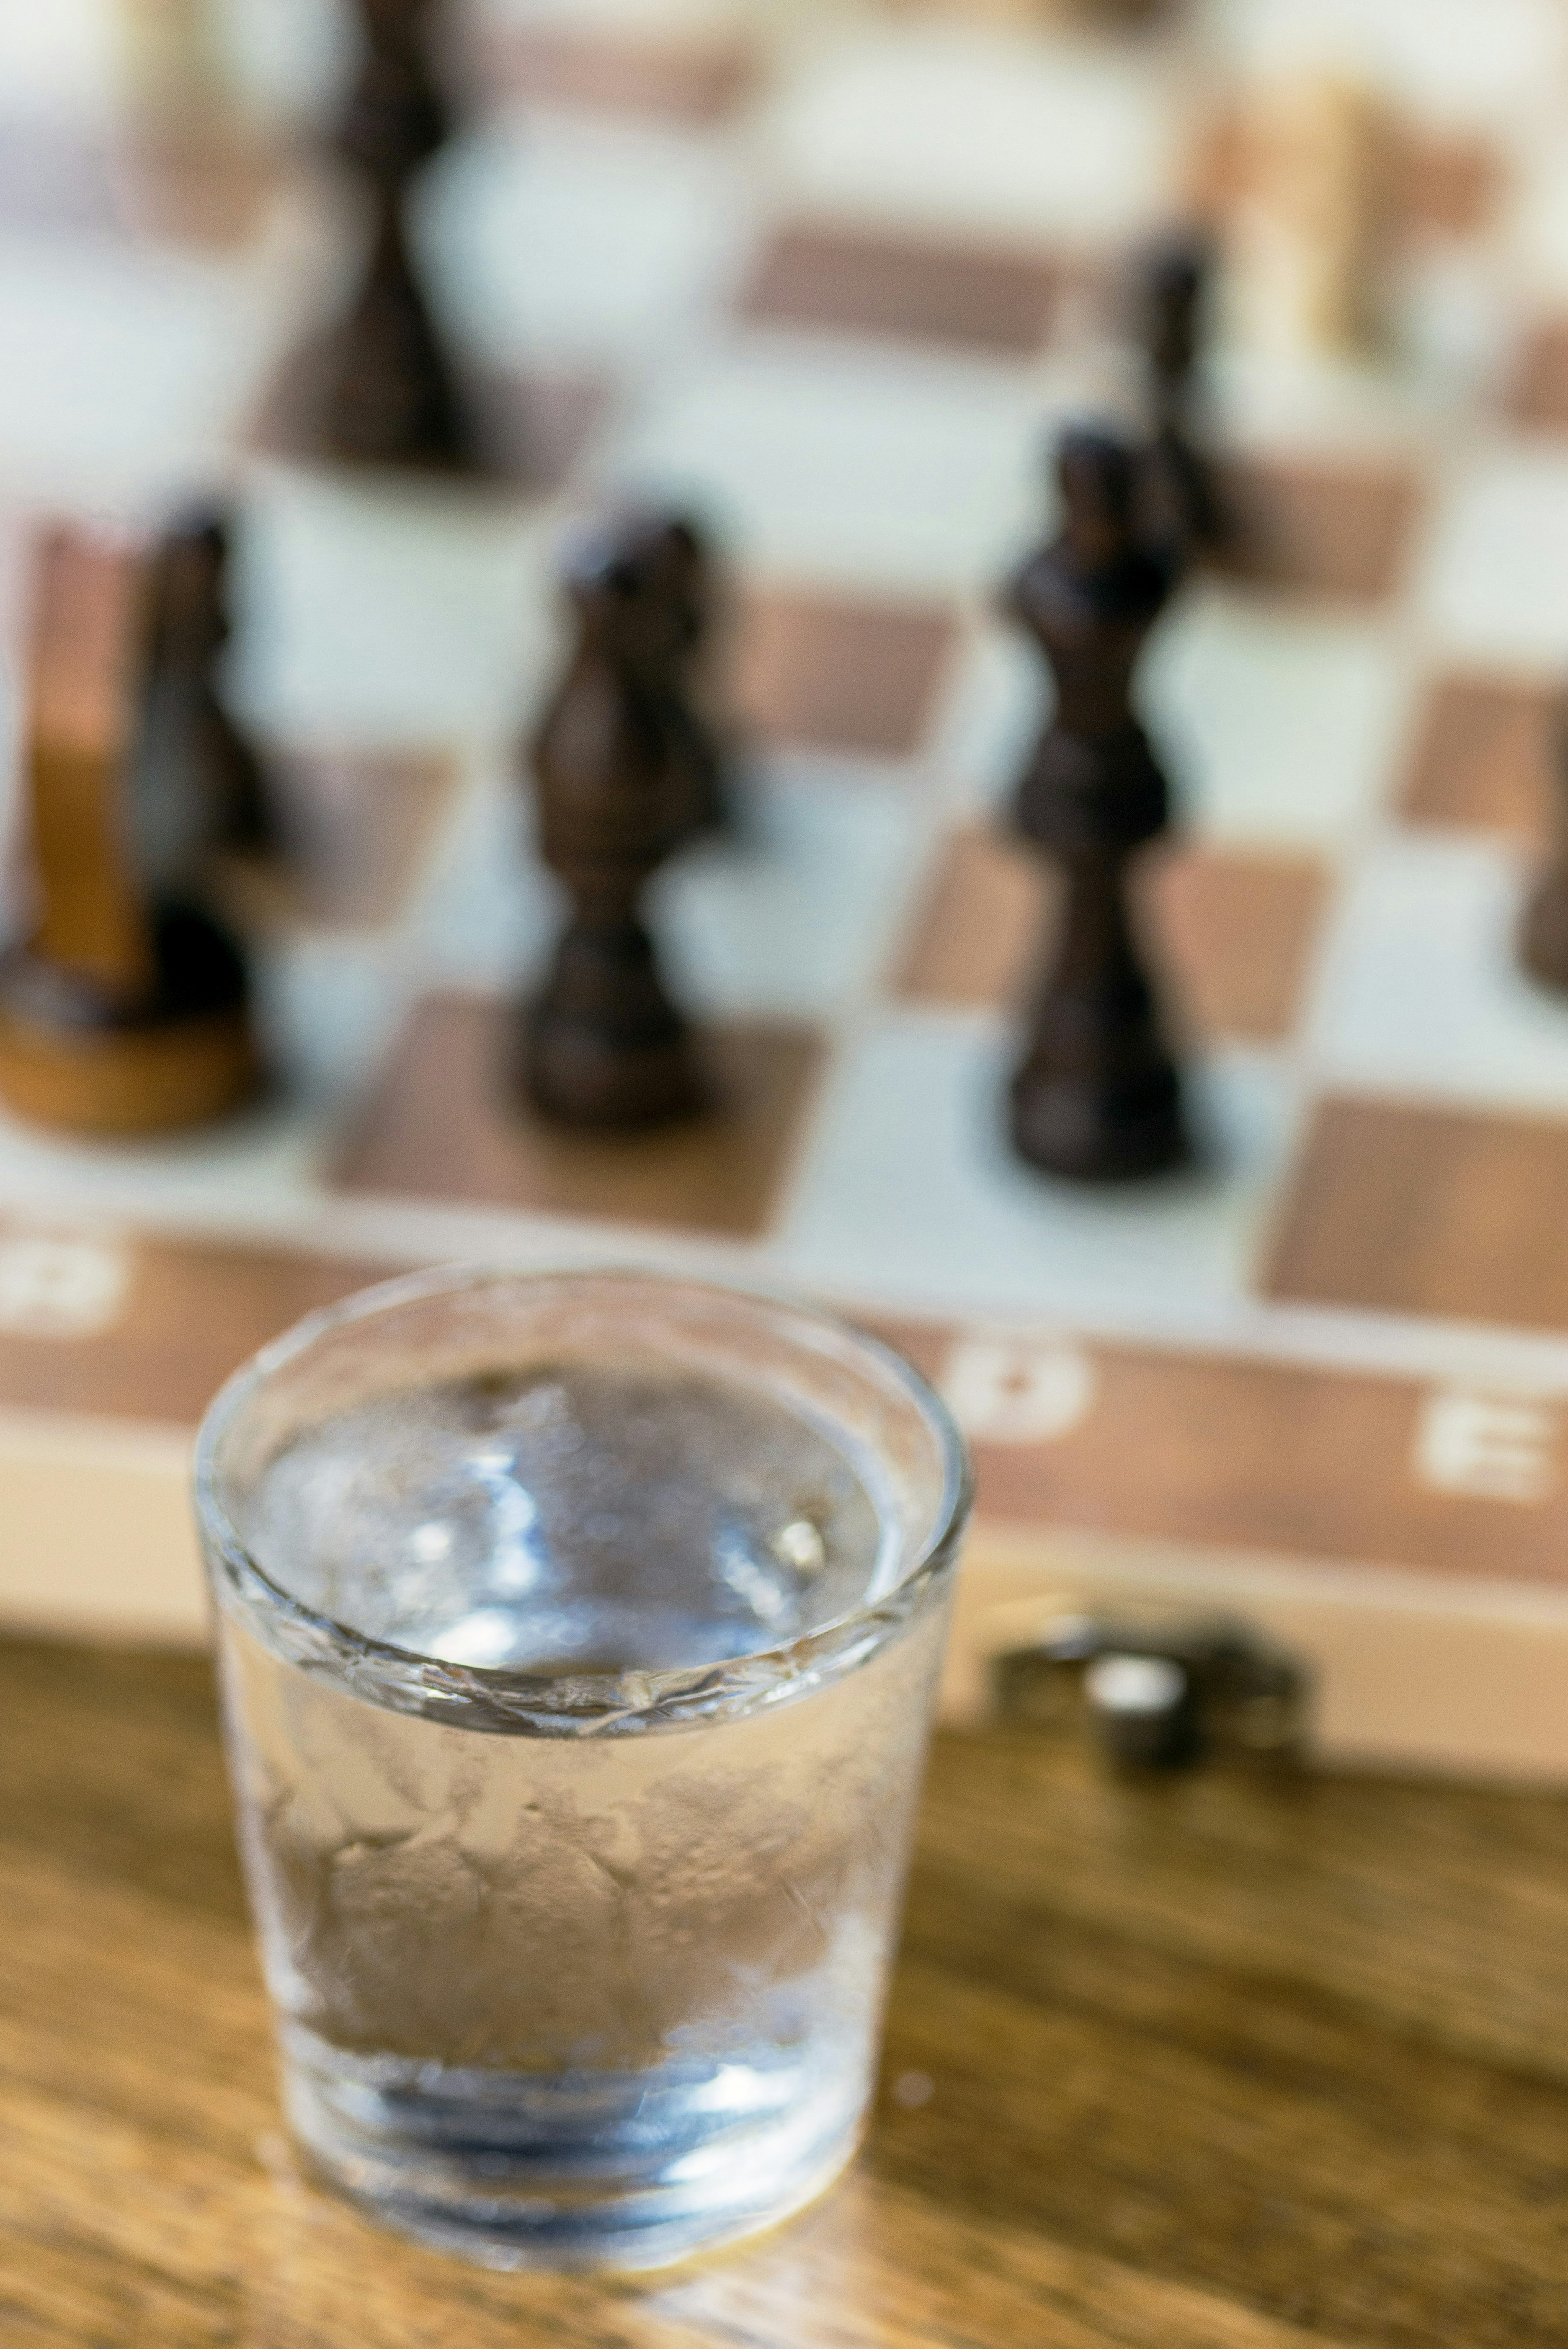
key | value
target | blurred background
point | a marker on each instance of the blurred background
(402, 297)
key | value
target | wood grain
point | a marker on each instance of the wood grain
(1405, 1209)
(1235, 930)
(825, 672)
(848, 279)
(1318, 527)
(1210, 2064)
(1237, 1453)
(1485, 753)
(108, 1081)
(449, 1122)
(178, 1317)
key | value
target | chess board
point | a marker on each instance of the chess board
(832, 276)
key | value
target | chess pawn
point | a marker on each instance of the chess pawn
(190, 746)
(1179, 504)
(390, 395)
(1097, 1095)
(124, 1010)
(1543, 931)
(603, 1044)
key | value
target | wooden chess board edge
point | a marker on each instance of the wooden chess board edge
(1412, 1673)
(98, 1543)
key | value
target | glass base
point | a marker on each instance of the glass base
(618, 2170)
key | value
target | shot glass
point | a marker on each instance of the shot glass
(579, 1636)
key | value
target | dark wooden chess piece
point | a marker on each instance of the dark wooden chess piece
(187, 735)
(385, 391)
(1543, 931)
(618, 793)
(686, 565)
(1181, 507)
(125, 1009)
(1097, 1095)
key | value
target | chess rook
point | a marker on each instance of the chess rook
(1313, 222)
(618, 793)
(384, 390)
(1097, 1095)
(124, 1009)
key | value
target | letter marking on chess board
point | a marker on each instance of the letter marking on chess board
(58, 1285)
(1017, 1390)
(1488, 1447)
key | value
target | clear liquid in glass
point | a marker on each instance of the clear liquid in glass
(577, 1998)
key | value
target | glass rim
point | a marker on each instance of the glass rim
(564, 1701)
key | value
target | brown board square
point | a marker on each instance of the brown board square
(209, 189)
(1484, 755)
(446, 1124)
(164, 1322)
(979, 928)
(199, 187)
(1538, 393)
(699, 80)
(529, 430)
(1259, 1455)
(1404, 1208)
(821, 672)
(1240, 928)
(1448, 184)
(1236, 931)
(869, 282)
(354, 831)
(1442, 183)
(1319, 527)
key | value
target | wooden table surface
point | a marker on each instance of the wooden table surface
(1206, 2064)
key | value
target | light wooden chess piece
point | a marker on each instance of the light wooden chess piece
(618, 792)
(124, 1011)
(1311, 215)
(175, 62)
